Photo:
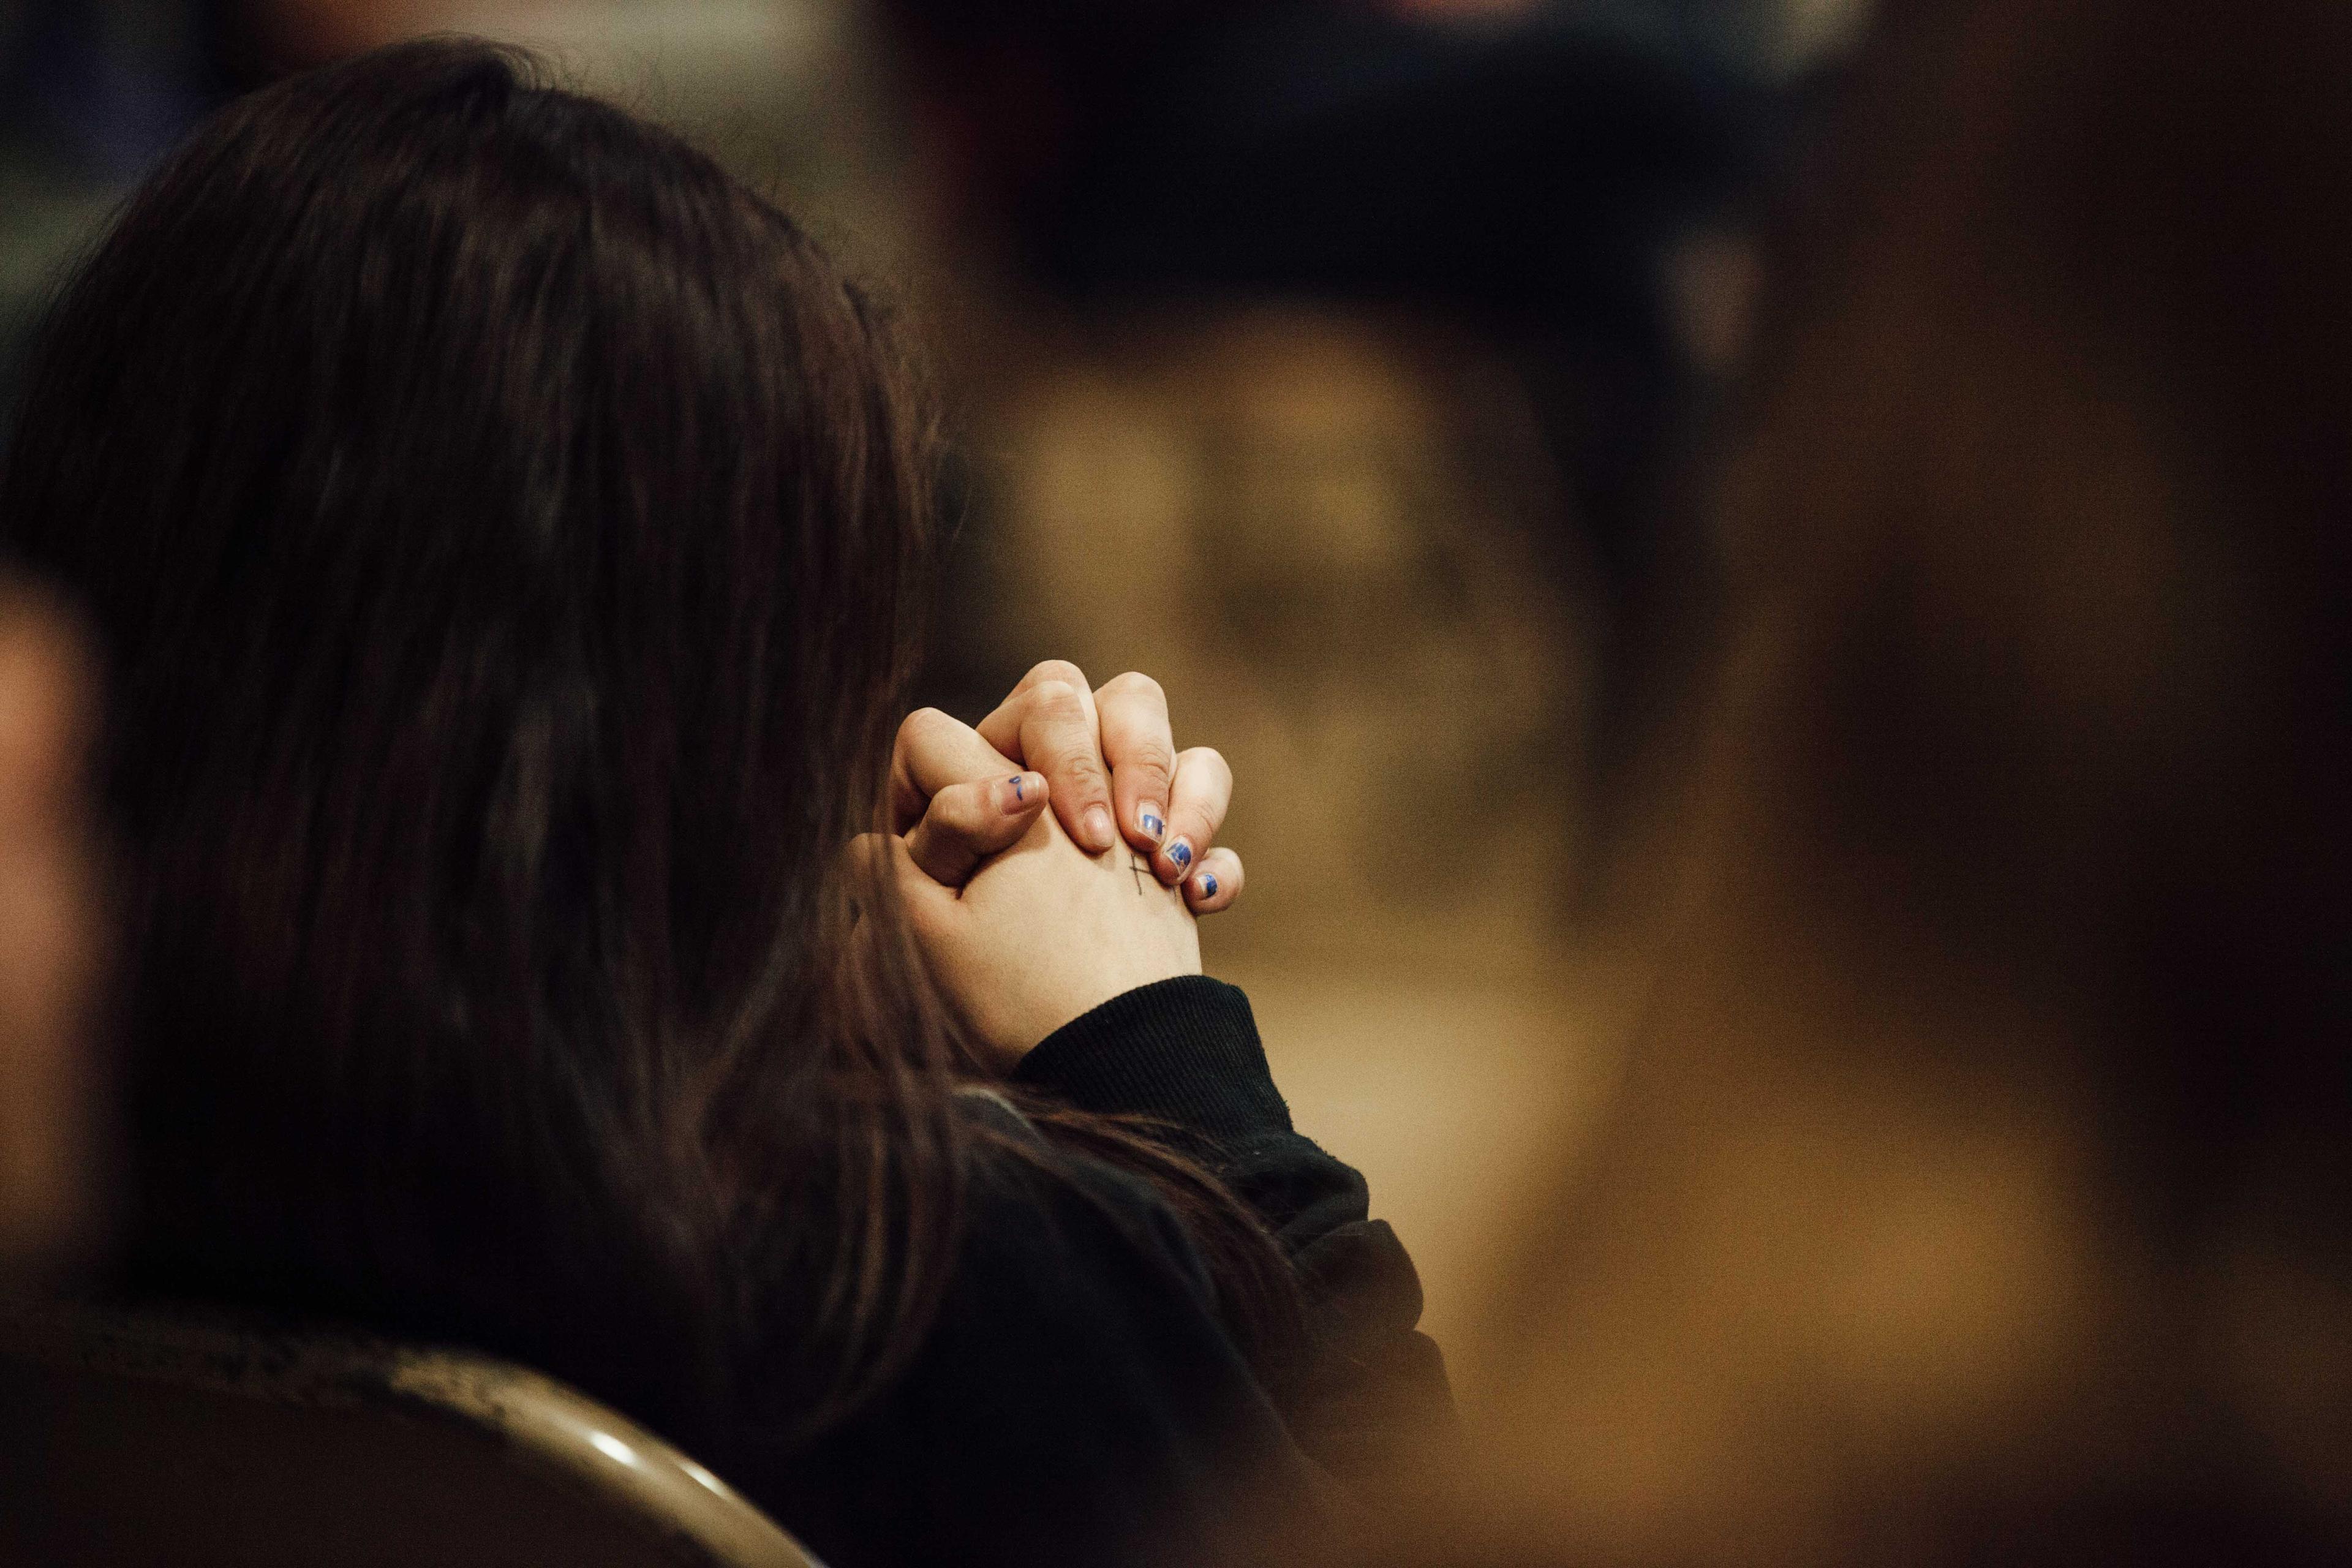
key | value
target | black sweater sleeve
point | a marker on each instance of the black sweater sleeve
(1186, 1053)
(1077, 1401)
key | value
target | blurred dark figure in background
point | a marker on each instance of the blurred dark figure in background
(1982, 1188)
(52, 1131)
(1533, 176)
(92, 93)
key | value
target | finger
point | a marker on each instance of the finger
(1215, 882)
(1051, 670)
(884, 877)
(1048, 725)
(1196, 809)
(1132, 712)
(967, 823)
(880, 870)
(1002, 728)
(933, 752)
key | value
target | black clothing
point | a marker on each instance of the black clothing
(1078, 1402)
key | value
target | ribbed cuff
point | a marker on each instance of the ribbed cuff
(1185, 1050)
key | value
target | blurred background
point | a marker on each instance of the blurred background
(1335, 363)
(1352, 368)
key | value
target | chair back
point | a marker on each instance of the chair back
(131, 1438)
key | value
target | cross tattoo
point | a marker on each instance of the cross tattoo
(1135, 864)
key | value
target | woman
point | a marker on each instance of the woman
(505, 534)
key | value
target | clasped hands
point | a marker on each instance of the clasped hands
(1029, 917)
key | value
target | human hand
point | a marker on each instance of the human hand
(1044, 932)
(1102, 758)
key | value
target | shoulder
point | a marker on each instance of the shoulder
(1074, 1383)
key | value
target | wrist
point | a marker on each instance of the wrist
(1183, 1050)
(1012, 1025)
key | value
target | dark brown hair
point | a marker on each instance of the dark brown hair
(507, 534)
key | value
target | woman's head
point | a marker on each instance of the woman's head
(503, 530)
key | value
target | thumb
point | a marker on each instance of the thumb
(965, 824)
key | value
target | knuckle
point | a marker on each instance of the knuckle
(954, 810)
(928, 838)
(1135, 684)
(921, 722)
(1056, 699)
(1050, 670)
(1210, 762)
(1150, 763)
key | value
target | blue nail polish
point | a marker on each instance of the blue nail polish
(1016, 789)
(1208, 884)
(1153, 825)
(1182, 853)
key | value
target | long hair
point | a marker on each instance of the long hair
(509, 534)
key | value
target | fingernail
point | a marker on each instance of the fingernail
(1208, 884)
(1181, 854)
(1099, 832)
(1019, 793)
(1154, 827)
